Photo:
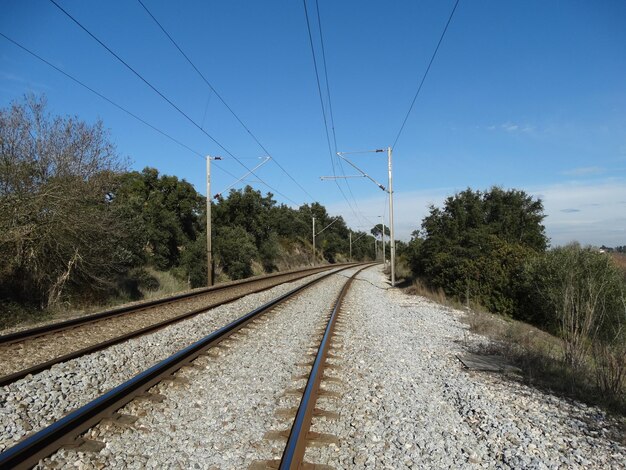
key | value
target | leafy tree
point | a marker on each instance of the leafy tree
(578, 293)
(167, 209)
(236, 248)
(59, 232)
(475, 246)
(377, 231)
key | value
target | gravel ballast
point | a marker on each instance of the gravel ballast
(408, 403)
(219, 418)
(36, 401)
(405, 400)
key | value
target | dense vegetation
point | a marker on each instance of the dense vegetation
(76, 227)
(489, 250)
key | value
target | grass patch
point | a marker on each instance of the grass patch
(167, 284)
(599, 381)
(145, 284)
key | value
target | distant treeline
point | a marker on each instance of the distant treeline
(77, 227)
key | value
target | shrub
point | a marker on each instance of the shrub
(579, 293)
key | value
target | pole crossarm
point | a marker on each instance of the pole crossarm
(340, 177)
(327, 226)
(340, 154)
(267, 159)
(359, 237)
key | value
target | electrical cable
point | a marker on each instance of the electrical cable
(164, 97)
(330, 111)
(425, 74)
(118, 106)
(321, 96)
(222, 99)
(130, 113)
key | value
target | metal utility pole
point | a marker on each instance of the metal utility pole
(209, 252)
(350, 233)
(313, 240)
(383, 240)
(392, 247)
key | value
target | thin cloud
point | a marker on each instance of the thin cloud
(511, 127)
(11, 77)
(604, 225)
(584, 171)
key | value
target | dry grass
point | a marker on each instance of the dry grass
(600, 380)
(420, 288)
(168, 285)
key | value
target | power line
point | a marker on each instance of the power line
(222, 99)
(108, 100)
(332, 119)
(426, 73)
(164, 97)
(120, 107)
(321, 96)
(330, 105)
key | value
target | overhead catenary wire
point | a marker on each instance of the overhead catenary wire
(430, 63)
(120, 107)
(113, 103)
(331, 114)
(321, 96)
(165, 98)
(219, 96)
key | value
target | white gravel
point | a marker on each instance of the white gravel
(36, 401)
(408, 403)
(218, 420)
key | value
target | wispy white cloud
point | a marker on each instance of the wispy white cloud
(11, 77)
(584, 171)
(511, 127)
(591, 213)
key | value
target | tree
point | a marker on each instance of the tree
(168, 210)
(475, 246)
(377, 230)
(59, 231)
(236, 249)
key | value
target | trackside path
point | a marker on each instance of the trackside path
(408, 403)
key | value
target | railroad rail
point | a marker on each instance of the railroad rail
(144, 318)
(299, 434)
(65, 431)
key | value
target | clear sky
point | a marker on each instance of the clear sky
(522, 94)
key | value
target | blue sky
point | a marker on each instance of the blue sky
(522, 94)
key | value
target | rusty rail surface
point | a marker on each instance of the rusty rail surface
(58, 327)
(28, 452)
(293, 455)
(63, 325)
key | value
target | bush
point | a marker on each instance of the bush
(579, 294)
(236, 250)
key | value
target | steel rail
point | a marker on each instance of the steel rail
(20, 374)
(63, 325)
(28, 452)
(293, 455)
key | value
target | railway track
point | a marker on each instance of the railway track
(34, 350)
(66, 431)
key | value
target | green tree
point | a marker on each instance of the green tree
(167, 209)
(475, 246)
(59, 232)
(236, 250)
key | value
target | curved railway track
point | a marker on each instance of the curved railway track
(65, 431)
(34, 350)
